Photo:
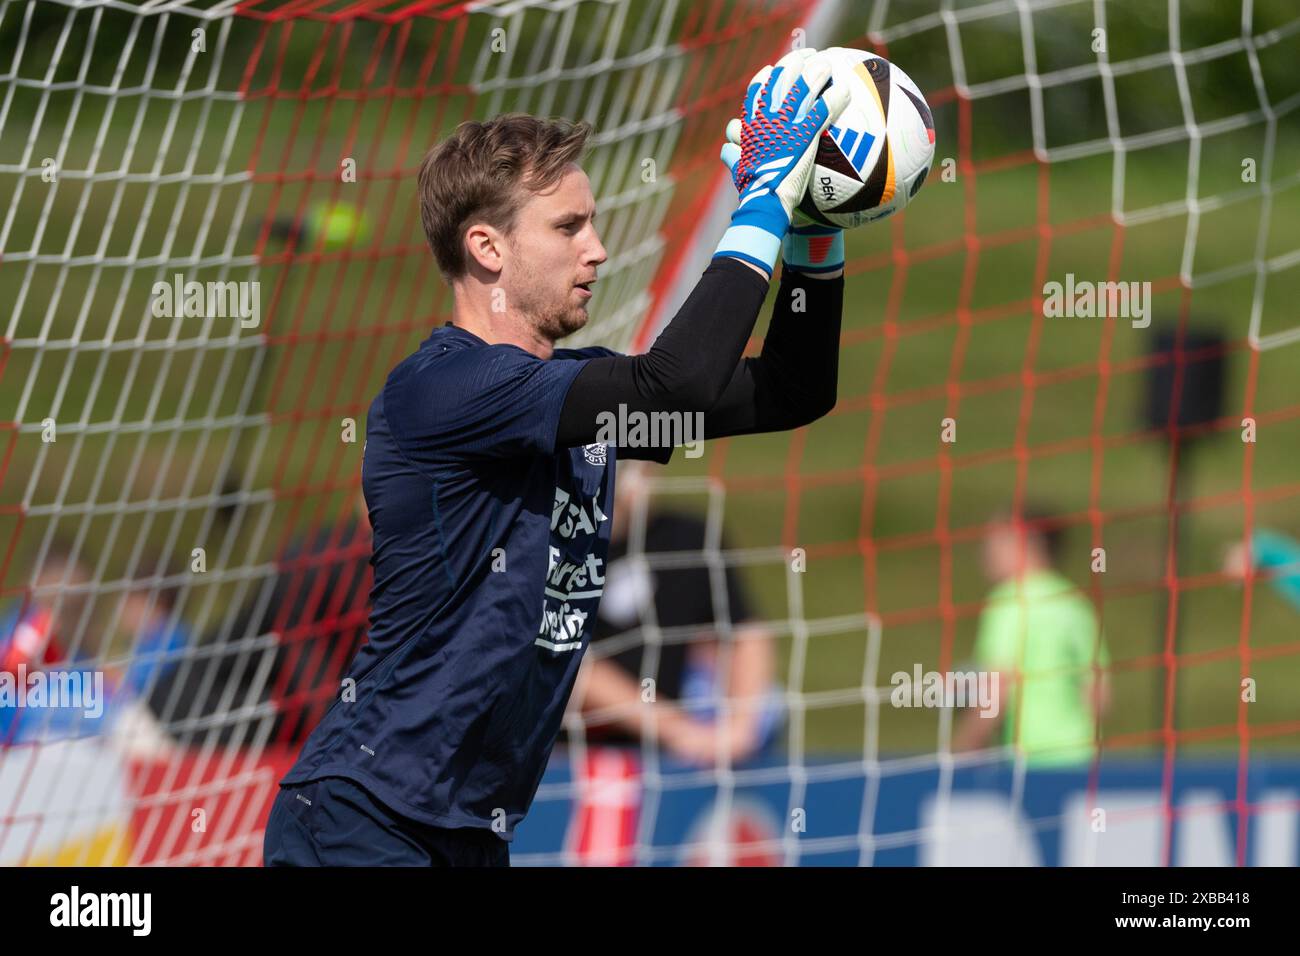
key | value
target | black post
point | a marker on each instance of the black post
(1184, 390)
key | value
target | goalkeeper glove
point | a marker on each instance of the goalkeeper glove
(813, 249)
(783, 116)
(808, 246)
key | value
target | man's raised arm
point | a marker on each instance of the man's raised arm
(696, 359)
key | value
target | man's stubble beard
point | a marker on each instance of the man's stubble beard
(560, 321)
(553, 319)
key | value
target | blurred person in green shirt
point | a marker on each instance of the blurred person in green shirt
(1039, 633)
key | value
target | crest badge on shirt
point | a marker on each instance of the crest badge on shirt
(594, 453)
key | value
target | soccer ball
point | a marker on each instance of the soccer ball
(874, 158)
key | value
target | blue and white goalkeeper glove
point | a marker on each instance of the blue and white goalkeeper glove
(782, 119)
(808, 246)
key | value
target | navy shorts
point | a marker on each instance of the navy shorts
(335, 822)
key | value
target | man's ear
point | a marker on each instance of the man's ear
(485, 245)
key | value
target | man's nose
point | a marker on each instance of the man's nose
(596, 254)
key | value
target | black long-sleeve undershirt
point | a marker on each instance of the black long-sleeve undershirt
(695, 364)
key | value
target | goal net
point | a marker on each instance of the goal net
(212, 257)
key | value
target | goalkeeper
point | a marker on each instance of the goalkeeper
(489, 488)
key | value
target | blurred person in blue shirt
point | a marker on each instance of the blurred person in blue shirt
(69, 689)
(1274, 556)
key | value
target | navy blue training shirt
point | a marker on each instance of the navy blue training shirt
(489, 558)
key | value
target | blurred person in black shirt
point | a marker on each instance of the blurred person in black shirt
(679, 684)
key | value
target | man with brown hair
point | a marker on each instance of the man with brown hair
(489, 469)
